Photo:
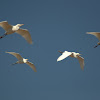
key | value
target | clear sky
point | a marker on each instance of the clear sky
(54, 25)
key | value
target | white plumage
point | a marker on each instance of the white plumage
(72, 54)
(12, 29)
(22, 60)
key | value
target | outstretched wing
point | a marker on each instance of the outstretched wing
(97, 34)
(64, 55)
(25, 33)
(31, 65)
(5, 25)
(81, 61)
(17, 55)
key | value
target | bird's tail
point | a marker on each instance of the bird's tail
(3, 36)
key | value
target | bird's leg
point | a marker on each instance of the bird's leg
(14, 63)
(60, 51)
(96, 46)
(3, 35)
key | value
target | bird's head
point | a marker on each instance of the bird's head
(20, 25)
(79, 54)
(25, 60)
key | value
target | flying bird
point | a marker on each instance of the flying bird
(10, 29)
(73, 55)
(22, 60)
(97, 34)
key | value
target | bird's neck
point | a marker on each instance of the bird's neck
(24, 60)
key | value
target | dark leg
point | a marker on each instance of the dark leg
(14, 63)
(96, 46)
(3, 36)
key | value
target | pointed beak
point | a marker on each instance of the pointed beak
(21, 24)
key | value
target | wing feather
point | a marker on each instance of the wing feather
(64, 55)
(17, 55)
(81, 61)
(97, 34)
(25, 34)
(5, 25)
(31, 65)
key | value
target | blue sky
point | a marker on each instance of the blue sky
(54, 25)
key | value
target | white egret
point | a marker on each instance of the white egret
(12, 29)
(72, 54)
(22, 60)
(97, 34)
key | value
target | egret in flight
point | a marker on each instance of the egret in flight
(72, 54)
(22, 60)
(9, 29)
(97, 34)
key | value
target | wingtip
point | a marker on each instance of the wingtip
(7, 52)
(35, 71)
(4, 21)
(58, 60)
(82, 69)
(31, 42)
(87, 32)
